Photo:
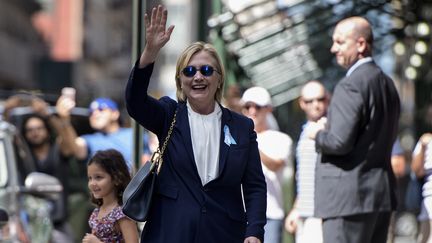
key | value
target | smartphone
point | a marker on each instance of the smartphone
(69, 92)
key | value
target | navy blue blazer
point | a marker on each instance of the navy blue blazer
(183, 209)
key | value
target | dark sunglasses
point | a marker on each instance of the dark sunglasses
(205, 70)
(320, 99)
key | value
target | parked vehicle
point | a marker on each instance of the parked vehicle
(4, 219)
(27, 196)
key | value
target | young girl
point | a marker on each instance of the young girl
(108, 176)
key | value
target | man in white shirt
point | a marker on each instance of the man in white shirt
(276, 156)
(314, 100)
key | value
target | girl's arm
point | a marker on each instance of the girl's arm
(129, 230)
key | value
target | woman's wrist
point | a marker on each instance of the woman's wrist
(147, 57)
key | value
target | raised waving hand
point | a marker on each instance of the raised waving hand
(157, 35)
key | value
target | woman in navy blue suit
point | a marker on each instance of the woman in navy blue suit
(211, 186)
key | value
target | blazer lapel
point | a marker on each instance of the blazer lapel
(184, 130)
(224, 148)
(193, 181)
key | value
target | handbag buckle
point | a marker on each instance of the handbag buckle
(156, 160)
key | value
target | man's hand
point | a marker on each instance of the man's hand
(291, 221)
(315, 127)
(64, 106)
(426, 138)
(40, 106)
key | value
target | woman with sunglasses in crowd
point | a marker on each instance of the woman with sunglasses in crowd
(211, 161)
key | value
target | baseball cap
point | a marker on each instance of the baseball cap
(103, 103)
(257, 95)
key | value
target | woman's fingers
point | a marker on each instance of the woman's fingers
(159, 14)
(146, 21)
(153, 16)
(164, 18)
(158, 19)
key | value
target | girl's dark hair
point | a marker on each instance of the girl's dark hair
(113, 162)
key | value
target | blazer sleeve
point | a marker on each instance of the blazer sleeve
(344, 119)
(151, 113)
(254, 189)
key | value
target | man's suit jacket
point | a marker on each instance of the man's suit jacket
(355, 174)
(184, 210)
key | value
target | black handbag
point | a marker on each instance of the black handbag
(138, 194)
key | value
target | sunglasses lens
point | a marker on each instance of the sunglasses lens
(189, 71)
(206, 70)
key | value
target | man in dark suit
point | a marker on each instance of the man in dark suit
(354, 181)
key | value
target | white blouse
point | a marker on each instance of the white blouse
(205, 135)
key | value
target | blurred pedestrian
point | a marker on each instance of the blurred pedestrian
(44, 136)
(108, 176)
(421, 165)
(354, 187)
(275, 150)
(401, 171)
(211, 187)
(314, 100)
(105, 120)
(403, 224)
(398, 160)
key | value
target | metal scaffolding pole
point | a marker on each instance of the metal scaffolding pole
(138, 10)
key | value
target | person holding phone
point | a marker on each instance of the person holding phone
(105, 119)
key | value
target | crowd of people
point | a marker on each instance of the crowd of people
(224, 169)
(57, 150)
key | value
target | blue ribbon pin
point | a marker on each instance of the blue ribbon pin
(228, 138)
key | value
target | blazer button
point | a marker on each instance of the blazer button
(204, 210)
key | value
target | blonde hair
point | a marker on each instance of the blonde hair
(184, 59)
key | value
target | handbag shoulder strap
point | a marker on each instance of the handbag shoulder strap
(157, 159)
(162, 150)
